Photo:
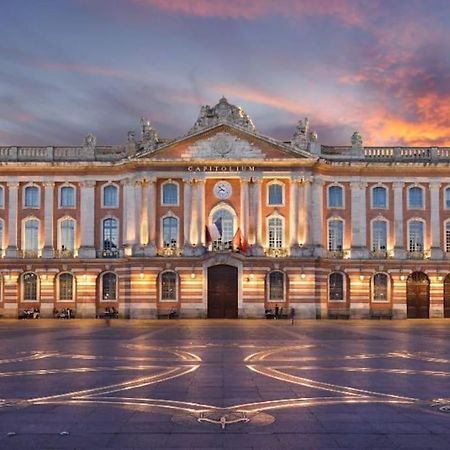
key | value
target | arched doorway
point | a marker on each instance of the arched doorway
(418, 296)
(447, 296)
(222, 292)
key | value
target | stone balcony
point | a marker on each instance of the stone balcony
(276, 252)
(108, 253)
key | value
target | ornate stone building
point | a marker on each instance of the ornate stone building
(226, 222)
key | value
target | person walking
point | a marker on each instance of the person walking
(292, 315)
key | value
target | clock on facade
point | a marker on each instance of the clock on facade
(222, 190)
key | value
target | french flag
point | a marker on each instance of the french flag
(215, 229)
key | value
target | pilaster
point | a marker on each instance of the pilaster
(399, 249)
(48, 249)
(87, 219)
(11, 250)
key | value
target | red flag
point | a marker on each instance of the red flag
(239, 242)
(208, 239)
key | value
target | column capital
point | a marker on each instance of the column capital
(257, 179)
(318, 181)
(245, 179)
(398, 184)
(87, 183)
(12, 184)
(358, 184)
(49, 184)
(434, 184)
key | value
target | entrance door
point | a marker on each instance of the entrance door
(418, 296)
(222, 292)
(447, 296)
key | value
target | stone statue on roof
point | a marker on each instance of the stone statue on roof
(150, 137)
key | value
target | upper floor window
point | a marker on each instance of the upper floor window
(415, 200)
(30, 286)
(379, 235)
(31, 197)
(447, 237)
(168, 285)
(335, 235)
(170, 231)
(110, 234)
(2, 197)
(67, 234)
(65, 287)
(1, 233)
(276, 286)
(275, 194)
(335, 197)
(415, 236)
(380, 287)
(67, 197)
(222, 228)
(110, 196)
(170, 193)
(379, 197)
(275, 226)
(447, 198)
(336, 286)
(31, 241)
(109, 286)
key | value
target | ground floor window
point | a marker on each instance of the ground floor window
(109, 286)
(168, 285)
(336, 286)
(30, 283)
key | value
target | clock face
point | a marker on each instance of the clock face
(222, 190)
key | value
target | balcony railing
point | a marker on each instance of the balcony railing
(276, 252)
(29, 253)
(415, 255)
(218, 246)
(335, 254)
(64, 253)
(109, 253)
(169, 251)
(379, 254)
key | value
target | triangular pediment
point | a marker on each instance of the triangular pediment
(224, 142)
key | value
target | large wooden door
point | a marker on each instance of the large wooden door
(418, 296)
(222, 292)
(447, 296)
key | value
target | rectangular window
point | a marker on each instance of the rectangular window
(416, 236)
(32, 197)
(67, 197)
(379, 235)
(379, 197)
(335, 235)
(447, 198)
(447, 238)
(335, 197)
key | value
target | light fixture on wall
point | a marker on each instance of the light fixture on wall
(303, 275)
(361, 277)
(402, 276)
(8, 275)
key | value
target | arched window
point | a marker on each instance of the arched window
(379, 197)
(110, 235)
(109, 286)
(65, 287)
(415, 231)
(276, 286)
(380, 287)
(335, 235)
(275, 228)
(379, 235)
(275, 194)
(335, 197)
(336, 286)
(110, 196)
(2, 197)
(415, 198)
(224, 223)
(67, 234)
(30, 283)
(170, 193)
(170, 231)
(168, 282)
(447, 198)
(67, 197)
(31, 197)
(31, 241)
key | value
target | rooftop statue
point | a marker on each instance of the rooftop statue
(357, 140)
(150, 137)
(90, 141)
(301, 136)
(222, 112)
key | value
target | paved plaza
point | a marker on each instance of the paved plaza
(224, 384)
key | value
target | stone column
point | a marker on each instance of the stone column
(245, 203)
(294, 216)
(129, 216)
(150, 249)
(187, 217)
(11, 250)
(48, 249)
(87, 219)
(316, 213)
(257, 197)
(399, 249)
(200, 213)
(436, 251)
(306, 213)
(143, 216)
(358, 229)
(138, 246)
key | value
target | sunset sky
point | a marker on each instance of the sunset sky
(70, 67)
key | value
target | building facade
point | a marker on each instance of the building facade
(226, 222)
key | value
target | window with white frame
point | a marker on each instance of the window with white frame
(2, 197)
(336, 286)
(170, 193)
(110, 234)
(31, 199)
(415, 198)
(275, 194)
(276, 286)
(168, 282)
(30, 286)
(170, 231)
(110, 196)
(335, 197)
(447, 198)
(379, 197)
(224, 222)
(447, 237)
(67, 234)
(31, 241)
(380, 287)
(416, 229)
(379, 235)
(275, 229)
(67, 197)
(65, 287)
(109, 286)
(335, 235)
